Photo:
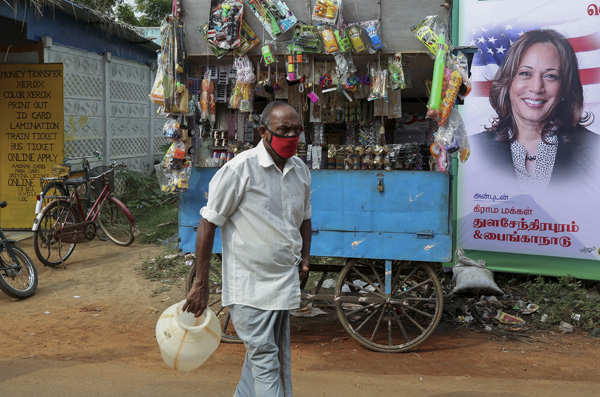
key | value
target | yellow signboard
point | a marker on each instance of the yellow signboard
(31, 136)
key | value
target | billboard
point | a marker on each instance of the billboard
(533, 118)
(31, 135)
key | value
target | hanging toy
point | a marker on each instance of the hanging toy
(449, 97)
(435, 97)
(207, 89)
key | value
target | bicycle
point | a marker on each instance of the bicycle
(64, 223)
(54, 187)
(18, 274)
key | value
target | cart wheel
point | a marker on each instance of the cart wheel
(214, 302)
(388, 323)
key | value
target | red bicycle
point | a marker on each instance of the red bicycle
(64, 223)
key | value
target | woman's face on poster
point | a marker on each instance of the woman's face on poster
(535, 89)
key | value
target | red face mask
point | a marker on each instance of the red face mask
(284, 146)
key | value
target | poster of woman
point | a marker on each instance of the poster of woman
(532, 181)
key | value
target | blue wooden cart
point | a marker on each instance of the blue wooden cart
(387, 228)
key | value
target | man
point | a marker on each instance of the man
(261, 201)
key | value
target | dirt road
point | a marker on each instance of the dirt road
(89, 331)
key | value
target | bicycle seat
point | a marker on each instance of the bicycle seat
(2, 204)
(74, 181)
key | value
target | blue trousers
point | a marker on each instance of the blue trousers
(267, 367)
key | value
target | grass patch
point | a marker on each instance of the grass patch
(155, 212)
(170, 268)
(563, 298)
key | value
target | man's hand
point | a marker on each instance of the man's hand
(197, 298)
(304, 268)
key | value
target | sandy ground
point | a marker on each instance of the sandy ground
(89, 330)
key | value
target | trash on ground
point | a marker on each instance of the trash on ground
(509, 319)
(565, 327)
(531, 308)
(329, 283)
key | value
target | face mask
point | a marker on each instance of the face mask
(284, 146)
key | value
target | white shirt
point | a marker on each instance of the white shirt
(260, 210)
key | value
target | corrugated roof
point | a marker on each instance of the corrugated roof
(83, 13)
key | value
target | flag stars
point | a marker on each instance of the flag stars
(490, 51)
(500, 50)
(492, 40)
(481, 40)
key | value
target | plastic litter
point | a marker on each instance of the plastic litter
(530, 308)
(509, 319)
(565, 327)
(329, 283)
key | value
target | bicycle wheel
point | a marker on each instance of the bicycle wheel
(116, 222)
(228, 333)
(48, 249)
(394, 322)
(52, 191)
(18, 275)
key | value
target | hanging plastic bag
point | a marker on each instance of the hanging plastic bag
(157, 94)
(171, 129)
(241, 97)
(396, 72)
(379, 85)
(225, 24)
(372, 31)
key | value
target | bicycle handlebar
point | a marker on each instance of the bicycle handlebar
(97, 155)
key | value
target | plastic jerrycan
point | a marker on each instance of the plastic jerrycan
(185, 341)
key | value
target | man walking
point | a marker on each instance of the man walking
(261, 201)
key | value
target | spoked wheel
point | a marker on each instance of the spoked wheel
(116, 222)
(48, 249)
(228, 333)
(18, 275)
(393, 322)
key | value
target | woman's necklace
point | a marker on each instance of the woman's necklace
(529, 158)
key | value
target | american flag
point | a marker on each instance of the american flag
(493, 43)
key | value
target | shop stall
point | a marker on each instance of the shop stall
(375, 85)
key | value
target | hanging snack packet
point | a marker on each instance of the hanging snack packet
(354, 33)
(225, 24)
(342, 40)
(329, 44)
(427, 32)
(308, 38)
(372, 29)
(396, 72)
(326, 11)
